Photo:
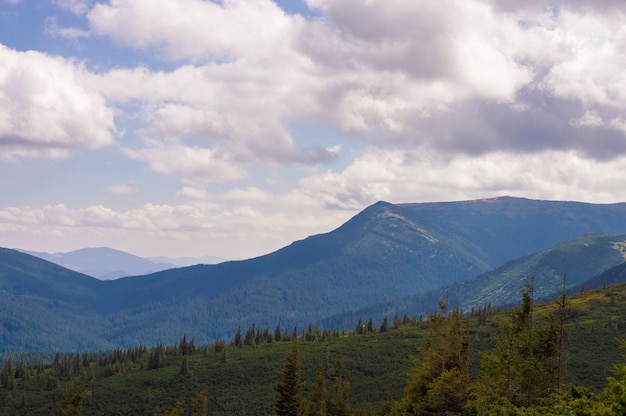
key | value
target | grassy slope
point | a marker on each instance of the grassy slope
(376, 363)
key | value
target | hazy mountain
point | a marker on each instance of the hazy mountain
(384, 253)
(187, 261)
(108, 264)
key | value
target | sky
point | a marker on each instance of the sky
(233, 128)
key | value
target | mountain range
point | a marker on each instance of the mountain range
(107, 264)
(396, 256)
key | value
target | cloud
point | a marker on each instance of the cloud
(421, 175)
(249, 221)
(197, 227)
(45, 111)
(187, 163)
(463, 78)
(192, 193)
(78, 7)
(52, 28)
(198, 30)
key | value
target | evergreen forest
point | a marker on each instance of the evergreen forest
(561, 357)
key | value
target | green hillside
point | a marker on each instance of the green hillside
(242, 380)
(45, 307)
(583, 260)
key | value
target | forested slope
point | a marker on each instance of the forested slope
(385, 252)
(239, 377)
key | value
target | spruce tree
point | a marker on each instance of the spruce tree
(440, 380)
(184, 367)
(316, 404)
(200, 405)
(525, 364)
(289, 387)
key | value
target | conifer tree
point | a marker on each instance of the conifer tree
(526, 361)
(338, 403)
(316, 404)
(278, 336)
(440, 379)
(200, 404)
(184, 367)
(397, 323)
(289, 387)
(384, 325)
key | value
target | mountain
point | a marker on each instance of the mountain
(108, 264)
(103, 263)
(187, 261)
(45, 307)
(383, 253)
(588, 262)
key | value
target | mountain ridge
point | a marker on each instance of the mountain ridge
(384, 252)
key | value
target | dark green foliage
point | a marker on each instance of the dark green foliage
(289, 387)
(439, 382)
(375, 368)
(524, 366)
(200, 404)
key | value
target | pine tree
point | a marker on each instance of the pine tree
(278, 336)
(200, 405)
(338, 403)
(397, 323)
(184, 367)
(384, 325)
(316, 404)
(289, 387)
(525, 364)
(238, 341)
(440, 379)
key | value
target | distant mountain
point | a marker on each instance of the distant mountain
(103, 263)
(108, 264)
(384, 253)
(187, 261)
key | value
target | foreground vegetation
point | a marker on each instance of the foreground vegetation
(394, 367)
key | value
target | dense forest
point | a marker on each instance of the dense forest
(561, 357)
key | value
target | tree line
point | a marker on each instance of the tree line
(522, 374)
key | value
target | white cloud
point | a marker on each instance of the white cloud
(197, 30)
(192, 192)
(420, 175)
(78, 7)
(52, 28)
(187, 163)
(249, 221)
(45, 111)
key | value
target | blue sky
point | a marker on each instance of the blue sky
(234, 127)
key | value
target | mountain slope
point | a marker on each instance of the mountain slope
(588, 261)
(385, 252)
(45, 307)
